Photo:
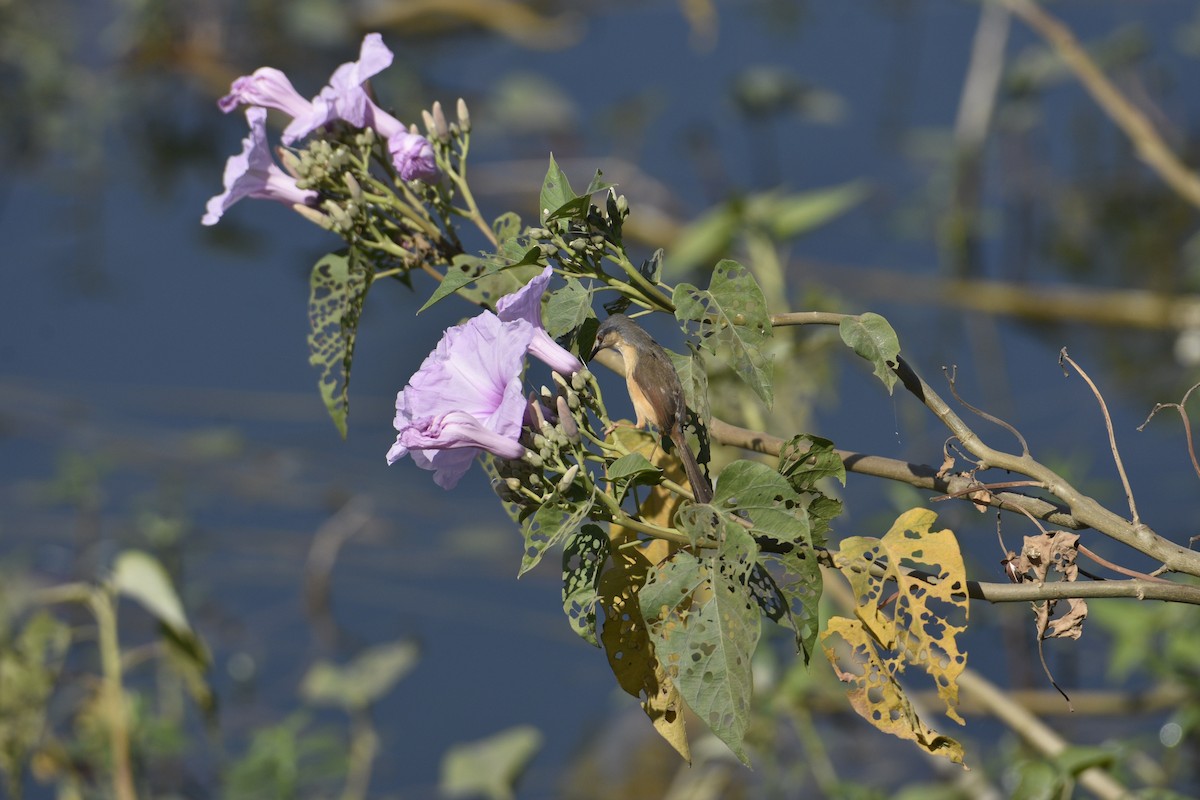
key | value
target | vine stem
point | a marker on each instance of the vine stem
(101, 604)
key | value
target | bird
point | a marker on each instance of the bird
(654, 389)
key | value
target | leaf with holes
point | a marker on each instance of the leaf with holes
(584, 555)
(694, 379)
(874, 691)
(337, 287)
(556, 519)
(731, 317)
(627, 645)
(872, 338)
(705, 624)
(794, 599)
(805, 459)
(765, 496)
(928, 615)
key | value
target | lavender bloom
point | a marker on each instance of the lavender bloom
(343, 98)
(412, 156)
(465, 398)
(253, 173)
(526, 304)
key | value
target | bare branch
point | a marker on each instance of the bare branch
(1112, 436)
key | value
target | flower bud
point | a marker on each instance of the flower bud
(313, 216)
(514, 484)
(290, 161)
(352, 184)
(440, 129)
(578, 245)
(581, 379)
(568, 478)
(566, 421)
(464, 117)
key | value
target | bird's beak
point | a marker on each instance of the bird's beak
(596, 349)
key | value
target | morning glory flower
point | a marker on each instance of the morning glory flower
(253, 173)
(342, 98)
(266, 87)
(465, 399)
(412, 156)
(526, 304)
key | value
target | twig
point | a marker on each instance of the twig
(951, 374)
(1187, 425)
(1112, 437)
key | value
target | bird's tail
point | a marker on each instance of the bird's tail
(701, 488)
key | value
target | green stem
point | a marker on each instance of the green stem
(102, 607)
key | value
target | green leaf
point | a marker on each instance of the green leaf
(584, 556)
(556, 192)
(798, 213)
(363, 681)
(765, 496)
(507, 226)
(139, 575)
(805, 459)
(703, 241)
(337, 288)
(705, 626)
(694, 379)
(1076, 758)
(494, 276)
(799, 582)
(631, 465)
(567, 308)
(489, 767)
(554, 521)
(872, 338)
(701, 523)
(731, 316)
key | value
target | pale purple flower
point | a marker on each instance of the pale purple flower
(526, 304)
(253, 173)
(412, 156)
(266, 87)
(466, 398)
(342, 98)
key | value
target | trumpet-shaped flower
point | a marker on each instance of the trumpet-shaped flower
(342, 98)
(465, 399)
(526, 304)
(253, 173)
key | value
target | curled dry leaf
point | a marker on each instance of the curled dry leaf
(1043, 555)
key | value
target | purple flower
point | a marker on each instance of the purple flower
(465, 398)
(343, 98)
(412, 155)
(526, 304)
(267, 87)
(253, 173)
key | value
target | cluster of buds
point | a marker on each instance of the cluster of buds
(553, 444)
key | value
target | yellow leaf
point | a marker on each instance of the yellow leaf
(630, 653)
(927, 615)
(874, 691)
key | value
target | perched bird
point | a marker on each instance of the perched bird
(654, 389)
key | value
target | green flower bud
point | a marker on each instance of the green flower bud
(314, 216)
(353, 186)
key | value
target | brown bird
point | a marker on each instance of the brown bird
(654, 389)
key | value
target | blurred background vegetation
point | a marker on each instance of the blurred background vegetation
(205, 593)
